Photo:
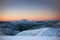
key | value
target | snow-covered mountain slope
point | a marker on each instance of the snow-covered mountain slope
(41, 32)
(14, 27)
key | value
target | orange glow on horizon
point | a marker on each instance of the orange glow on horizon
(30, 18)
(52, 16)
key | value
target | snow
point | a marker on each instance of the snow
(28, 38)
(40, 32)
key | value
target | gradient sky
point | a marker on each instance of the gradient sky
(28, 9)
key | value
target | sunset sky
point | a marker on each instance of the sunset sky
(28, 9)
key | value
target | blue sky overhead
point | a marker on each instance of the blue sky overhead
(28, 9)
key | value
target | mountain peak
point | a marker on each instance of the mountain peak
(23, 20)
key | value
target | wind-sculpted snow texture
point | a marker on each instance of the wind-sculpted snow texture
(20, 26)
(55, 32)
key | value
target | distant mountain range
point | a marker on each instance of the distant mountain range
(14, 27)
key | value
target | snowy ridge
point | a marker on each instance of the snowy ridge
(15, 27)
